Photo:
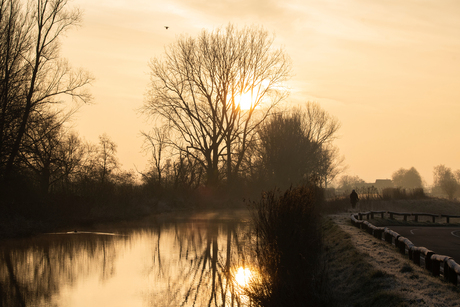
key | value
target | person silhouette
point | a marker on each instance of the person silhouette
(354, 199)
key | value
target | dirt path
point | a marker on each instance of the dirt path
(415, 284)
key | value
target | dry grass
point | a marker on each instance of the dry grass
(366, 271)
(288, 248)
(353, 280)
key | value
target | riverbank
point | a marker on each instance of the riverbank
(365, 271)
(16, 225)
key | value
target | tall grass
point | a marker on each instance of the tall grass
(287, 248)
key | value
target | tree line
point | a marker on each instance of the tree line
(446, 181)
(217, 103)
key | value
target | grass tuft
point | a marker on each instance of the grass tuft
(406, 269)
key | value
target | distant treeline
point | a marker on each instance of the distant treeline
(405, 182)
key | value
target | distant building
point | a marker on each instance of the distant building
(383, 183)
(367, 187)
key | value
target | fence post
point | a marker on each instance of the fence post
(436, 262)
(454, 270)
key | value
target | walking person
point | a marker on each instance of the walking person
(354, 199)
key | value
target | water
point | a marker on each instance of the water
(178, 261)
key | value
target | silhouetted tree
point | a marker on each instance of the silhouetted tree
(407, 178)
(296, 146)
(33, 74)
(330, 166)
(196, 87)
(156, 144)
(41, 149)
(15, 43)
(445, 180)
(107, 161)
(72, 154)
(348, 183)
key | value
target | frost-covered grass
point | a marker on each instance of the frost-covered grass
(353, 280)
(365, 271)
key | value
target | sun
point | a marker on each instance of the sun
(245, 101)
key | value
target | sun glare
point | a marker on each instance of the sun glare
(243, 276)
(245, 101)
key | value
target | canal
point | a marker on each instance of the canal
(168, 260)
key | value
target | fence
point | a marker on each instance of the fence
(438, 265)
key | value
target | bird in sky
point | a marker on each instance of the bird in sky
(166, 27)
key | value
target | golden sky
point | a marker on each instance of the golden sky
(389, 70)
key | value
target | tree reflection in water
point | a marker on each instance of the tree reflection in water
(179, 263)
(195, 268)
(32, 271)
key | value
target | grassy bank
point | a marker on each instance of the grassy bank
(308, 260)
(352, 280)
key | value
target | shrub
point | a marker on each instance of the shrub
(288, 247)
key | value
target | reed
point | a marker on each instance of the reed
(288, 248)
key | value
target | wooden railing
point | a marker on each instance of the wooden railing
(436, 264)
(391, 214)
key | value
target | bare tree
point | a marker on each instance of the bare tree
(15, 43)
(407, 178)
(72, 153)
(445, 180)
(331, 164)
(51, 150)
(196, 87)
(45, 76)
(348, 183)
(41, 148)
(107, 161)
(156, 143)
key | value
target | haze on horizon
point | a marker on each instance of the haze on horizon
(389, 71)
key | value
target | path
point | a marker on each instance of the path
(441, 240)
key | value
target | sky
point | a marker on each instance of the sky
(388, 70)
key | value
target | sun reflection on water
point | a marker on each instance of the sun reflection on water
(243, 276)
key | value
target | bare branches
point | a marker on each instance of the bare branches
(31, 72)
(194, 90)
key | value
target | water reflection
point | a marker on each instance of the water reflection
(243, 276)
(174, 263)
